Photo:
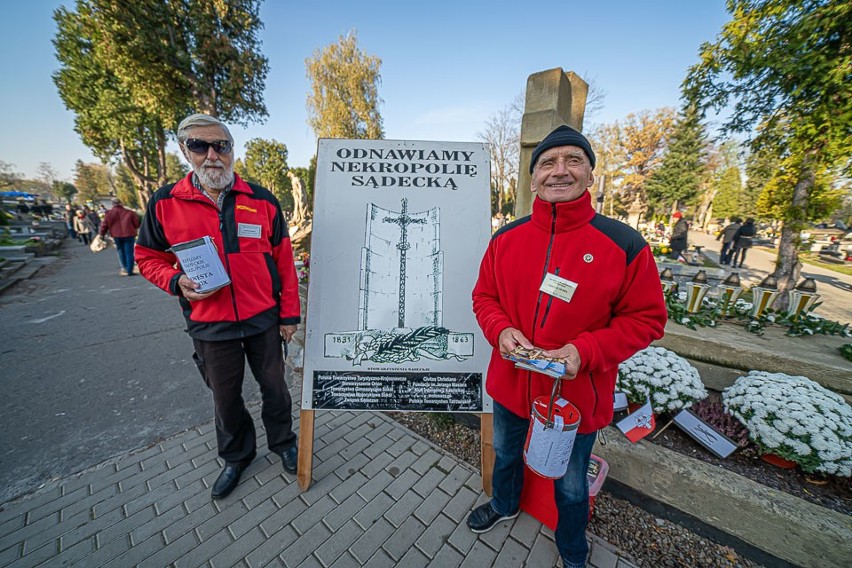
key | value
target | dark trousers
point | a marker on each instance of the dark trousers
(726, 253)
(222, 364)
(571, 491)
(738, 257)
(124, 247)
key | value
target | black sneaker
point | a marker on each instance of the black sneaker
(483, 518)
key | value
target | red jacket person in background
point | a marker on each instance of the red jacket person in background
(614, 309)
(121, 224)
(245, 320)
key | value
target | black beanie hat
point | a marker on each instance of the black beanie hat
(563, 136)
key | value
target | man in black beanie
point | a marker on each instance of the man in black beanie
(584, 289)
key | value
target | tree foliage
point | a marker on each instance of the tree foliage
(107, 118)
(628, 153)
(194, 55)
(91, 180)
(131, 71)
(729, 194)
(266, 164)
(124, 186)
(784, 65)
(8, 176)
(64, 189)
(344, 98)
(682, 171)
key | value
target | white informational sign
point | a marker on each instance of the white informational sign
(399, 230)
(705, 434)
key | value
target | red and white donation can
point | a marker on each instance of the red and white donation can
(550, 439)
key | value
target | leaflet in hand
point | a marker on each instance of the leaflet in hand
(533, 360)
(200, 262)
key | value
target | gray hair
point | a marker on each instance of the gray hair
(199, 119)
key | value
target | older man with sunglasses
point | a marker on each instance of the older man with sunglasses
(244, 320)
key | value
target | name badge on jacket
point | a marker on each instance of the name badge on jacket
(558, 287)
(247, 230)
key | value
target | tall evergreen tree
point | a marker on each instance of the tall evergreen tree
(729, 194)
(678, 179)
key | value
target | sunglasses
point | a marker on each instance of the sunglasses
(202, 146)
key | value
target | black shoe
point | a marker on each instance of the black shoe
(227, 480)
(483, 518)
(290, 459)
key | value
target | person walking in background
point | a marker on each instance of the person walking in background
(743, 239)
(122, 225)
(679, 238)
(93, 217)
(247, 319)
(83, 227)
(726, 235)
(69, 216)
(603, 302)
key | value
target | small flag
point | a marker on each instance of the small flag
(639, 424)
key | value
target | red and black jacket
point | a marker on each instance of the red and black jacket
(616, 310)
(264, 287)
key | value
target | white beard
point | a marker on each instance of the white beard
(215, 177)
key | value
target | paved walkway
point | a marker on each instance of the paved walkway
(382, 496)
(835, 288)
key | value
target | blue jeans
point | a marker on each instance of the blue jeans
(124, 246)
(572, 491)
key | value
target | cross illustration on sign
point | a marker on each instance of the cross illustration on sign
(403, 220)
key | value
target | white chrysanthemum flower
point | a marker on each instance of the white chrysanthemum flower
(663, 376)
(795, 418)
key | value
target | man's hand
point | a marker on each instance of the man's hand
(188, 287)
(287, 332)
(570, 355)
(511, 338)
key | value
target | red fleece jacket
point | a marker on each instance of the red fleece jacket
(617, 308)
(253, 243)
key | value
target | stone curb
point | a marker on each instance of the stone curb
(729, 345)
(783, 525)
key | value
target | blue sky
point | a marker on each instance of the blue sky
(446, 65)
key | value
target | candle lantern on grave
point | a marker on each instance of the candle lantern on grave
(696, 289)
(802, 297)
(729, 292)
(763, 295)
(668, 282)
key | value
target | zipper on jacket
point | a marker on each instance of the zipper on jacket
(595, 391)
(549, 303)
(546, 263)
(538, 300)
(228, 269)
